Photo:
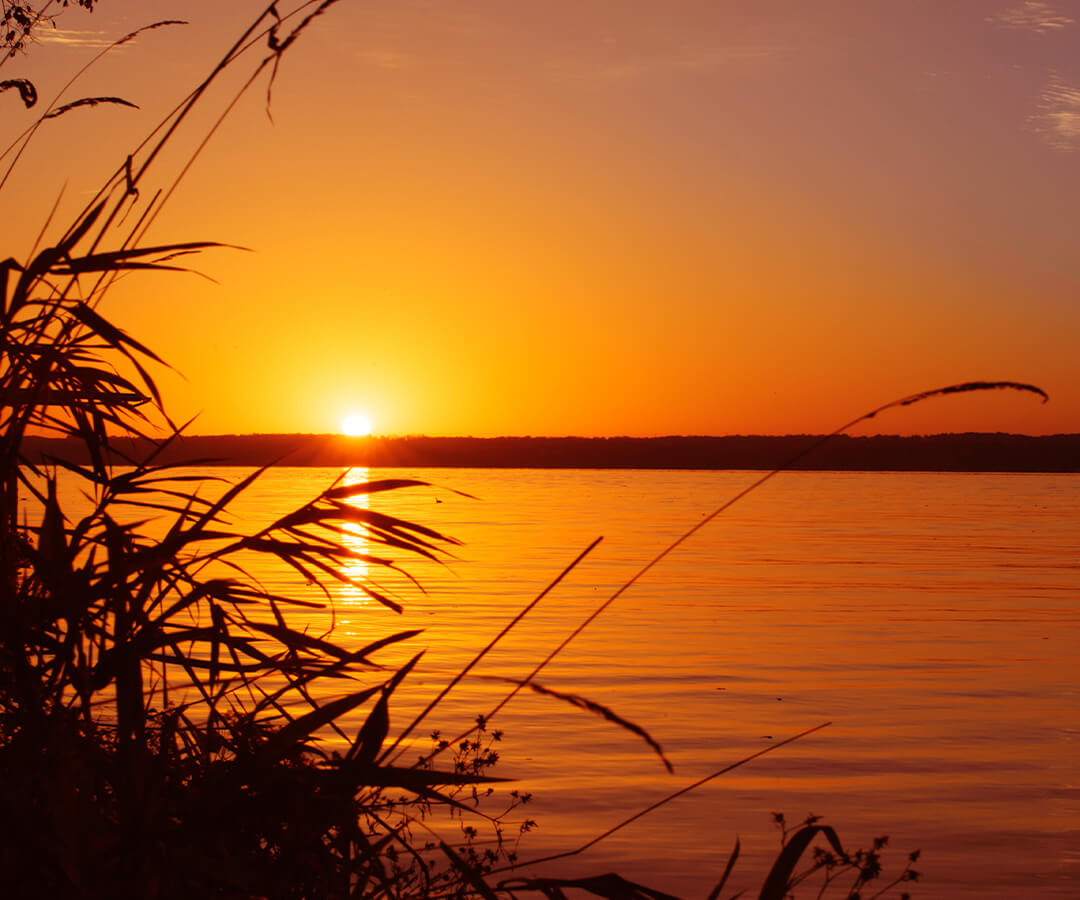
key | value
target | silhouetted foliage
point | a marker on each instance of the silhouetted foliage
(20, 18)
(160, 719)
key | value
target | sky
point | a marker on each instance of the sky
(619, 217)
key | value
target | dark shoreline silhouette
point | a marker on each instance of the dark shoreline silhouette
(971, 452)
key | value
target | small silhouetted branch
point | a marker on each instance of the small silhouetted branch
(88, 101)
(27, 91)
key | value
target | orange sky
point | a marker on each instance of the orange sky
(615, 217)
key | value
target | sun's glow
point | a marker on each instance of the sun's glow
(356, 425)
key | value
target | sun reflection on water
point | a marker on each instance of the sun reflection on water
(355, 539)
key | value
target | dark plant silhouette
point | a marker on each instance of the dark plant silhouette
(158, 723)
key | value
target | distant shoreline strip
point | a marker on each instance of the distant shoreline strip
(971, 452)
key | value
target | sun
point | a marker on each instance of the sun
(356, 425)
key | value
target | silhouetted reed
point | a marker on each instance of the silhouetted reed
(160, 731)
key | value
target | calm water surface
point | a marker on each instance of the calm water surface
(933, 619)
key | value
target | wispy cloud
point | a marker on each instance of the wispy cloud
(1058, 118)
(1033, 15)
(714, 58)
(696, 61)
(74, 38)
(386, 59)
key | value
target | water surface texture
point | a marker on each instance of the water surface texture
(933, 619)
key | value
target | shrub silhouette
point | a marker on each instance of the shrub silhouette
(157, 710)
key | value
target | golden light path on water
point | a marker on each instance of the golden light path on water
(354, 599)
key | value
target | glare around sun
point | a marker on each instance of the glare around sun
(356, 425)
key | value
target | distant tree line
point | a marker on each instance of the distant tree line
(971, 452)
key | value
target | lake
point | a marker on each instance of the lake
(933, 619)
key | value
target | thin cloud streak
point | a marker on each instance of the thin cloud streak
(71, 38)
(1059, 116)
(697, 61)
(712, 59)
(1034, 15)
(387, 59)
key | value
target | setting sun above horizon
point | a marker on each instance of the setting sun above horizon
(593, 219)
(356, 425)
